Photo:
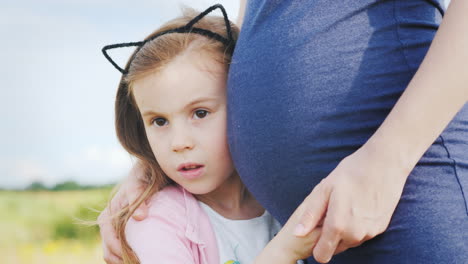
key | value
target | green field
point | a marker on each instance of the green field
(40, 227)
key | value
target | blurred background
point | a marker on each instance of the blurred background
(59, 156)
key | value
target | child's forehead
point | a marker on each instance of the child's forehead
(179, 83)
(188, 72)
(199, 61)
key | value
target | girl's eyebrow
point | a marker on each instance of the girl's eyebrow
(189, 105)
(200, 100)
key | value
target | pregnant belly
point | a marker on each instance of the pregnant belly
(300, 104)
(292, 120)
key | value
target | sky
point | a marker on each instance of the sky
(58, 90)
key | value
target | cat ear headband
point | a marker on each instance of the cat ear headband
(188, 28)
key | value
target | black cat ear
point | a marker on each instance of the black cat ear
(120, 45)
(209, 10)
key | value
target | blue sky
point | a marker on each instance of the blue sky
(58, 90)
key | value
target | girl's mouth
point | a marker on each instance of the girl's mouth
(191, 170)
(193, 167)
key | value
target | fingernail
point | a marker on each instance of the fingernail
(299, 230)
(137, 214)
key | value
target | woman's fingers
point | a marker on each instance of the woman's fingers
(315, 206)
(334, 227)
(343, 246)
(356, 200)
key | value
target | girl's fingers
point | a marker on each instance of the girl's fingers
(141, 212)
(117, 202)
(109, 256)
(111, 249)
(315, 206)
(110, 242)
(112, 259)
(114, 247)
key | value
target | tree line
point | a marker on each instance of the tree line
(64, 186)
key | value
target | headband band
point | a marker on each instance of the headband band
(188, 28)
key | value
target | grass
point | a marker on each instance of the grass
(40, 227)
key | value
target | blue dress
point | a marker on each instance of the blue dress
(310, 82)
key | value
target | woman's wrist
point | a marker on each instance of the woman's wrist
(391, 153)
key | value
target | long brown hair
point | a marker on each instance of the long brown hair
(151, 58)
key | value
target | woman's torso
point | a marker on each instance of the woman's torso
(311, 81)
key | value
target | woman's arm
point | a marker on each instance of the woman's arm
(435, 94)
(358, 198)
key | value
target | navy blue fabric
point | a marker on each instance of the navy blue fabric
(310, 82)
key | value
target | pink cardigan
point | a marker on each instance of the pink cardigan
(177, 230)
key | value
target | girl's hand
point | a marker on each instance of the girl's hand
(295, 247)
(355, 202)
(128, 192)
(286, 248)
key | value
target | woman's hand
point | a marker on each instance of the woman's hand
(128, 192)
(355, 202)
(359, 197)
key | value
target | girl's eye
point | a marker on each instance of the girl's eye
(159, 121)
(201, 114)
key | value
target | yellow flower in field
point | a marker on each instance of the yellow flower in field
(51, 247)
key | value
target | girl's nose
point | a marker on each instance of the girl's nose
(181, 141)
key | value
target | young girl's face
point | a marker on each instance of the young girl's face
(184, 111)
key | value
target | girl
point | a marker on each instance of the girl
(171, 115)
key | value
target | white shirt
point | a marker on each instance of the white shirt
(240, 241)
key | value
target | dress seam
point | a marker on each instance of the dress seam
(397, 30)
(454, 166)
